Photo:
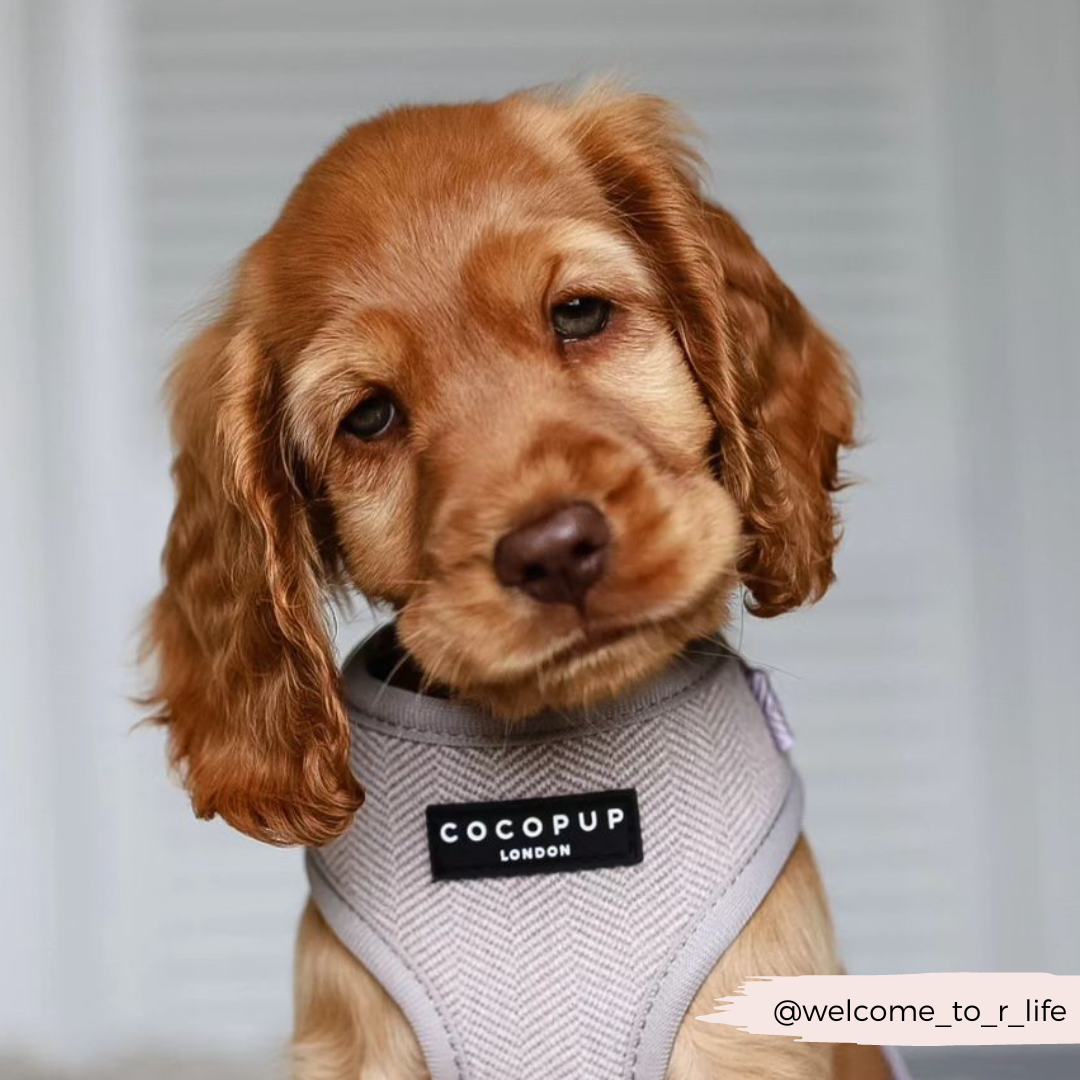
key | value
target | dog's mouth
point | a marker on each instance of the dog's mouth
(597, 662)
(389, 660)
(689, 618)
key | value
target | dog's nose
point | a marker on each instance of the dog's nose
(557, 559)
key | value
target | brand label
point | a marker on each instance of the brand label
(534, 836)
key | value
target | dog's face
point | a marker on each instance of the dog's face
(503, 367)
(512, 444)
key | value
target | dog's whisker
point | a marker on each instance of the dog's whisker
(390, 676)
(740, 655)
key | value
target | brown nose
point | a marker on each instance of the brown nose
(557, 559)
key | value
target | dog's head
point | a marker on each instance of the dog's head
(504, 367)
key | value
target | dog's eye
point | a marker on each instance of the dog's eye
(373, 418)
(582, 317)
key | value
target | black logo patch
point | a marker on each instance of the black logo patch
(534, 836)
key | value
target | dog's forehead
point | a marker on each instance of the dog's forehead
(423, 255)
(395, 208)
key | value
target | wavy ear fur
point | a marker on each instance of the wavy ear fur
(247, 681)
(799, 412)
(781, 390)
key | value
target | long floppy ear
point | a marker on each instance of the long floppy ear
(247, 682)
(781, 390)
(799, 413)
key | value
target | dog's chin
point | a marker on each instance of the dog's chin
(580, 675)
(591, 666)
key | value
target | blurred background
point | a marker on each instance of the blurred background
(913, 170)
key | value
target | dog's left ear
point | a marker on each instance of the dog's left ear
(780, 389)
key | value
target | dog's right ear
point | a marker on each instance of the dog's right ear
(247, 681)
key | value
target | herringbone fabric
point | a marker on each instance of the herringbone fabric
(558, 976)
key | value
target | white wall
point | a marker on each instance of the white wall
(26, 914)
(912, 171)
(1010, 82)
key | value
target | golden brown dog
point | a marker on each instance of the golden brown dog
(467, 321)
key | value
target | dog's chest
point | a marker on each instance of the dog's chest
(545, 902)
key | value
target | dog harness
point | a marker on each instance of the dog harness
(544, 899)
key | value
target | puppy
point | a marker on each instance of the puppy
(504, 368)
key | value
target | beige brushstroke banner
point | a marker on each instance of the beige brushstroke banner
(938, 1009)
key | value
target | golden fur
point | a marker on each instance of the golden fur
(420, 258)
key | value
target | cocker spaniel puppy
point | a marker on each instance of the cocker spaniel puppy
(504, 368)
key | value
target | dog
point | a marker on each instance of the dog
(504, 368)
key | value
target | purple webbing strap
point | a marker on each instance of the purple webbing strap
(773, 711)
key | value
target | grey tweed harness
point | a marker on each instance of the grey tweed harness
(544, 900)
